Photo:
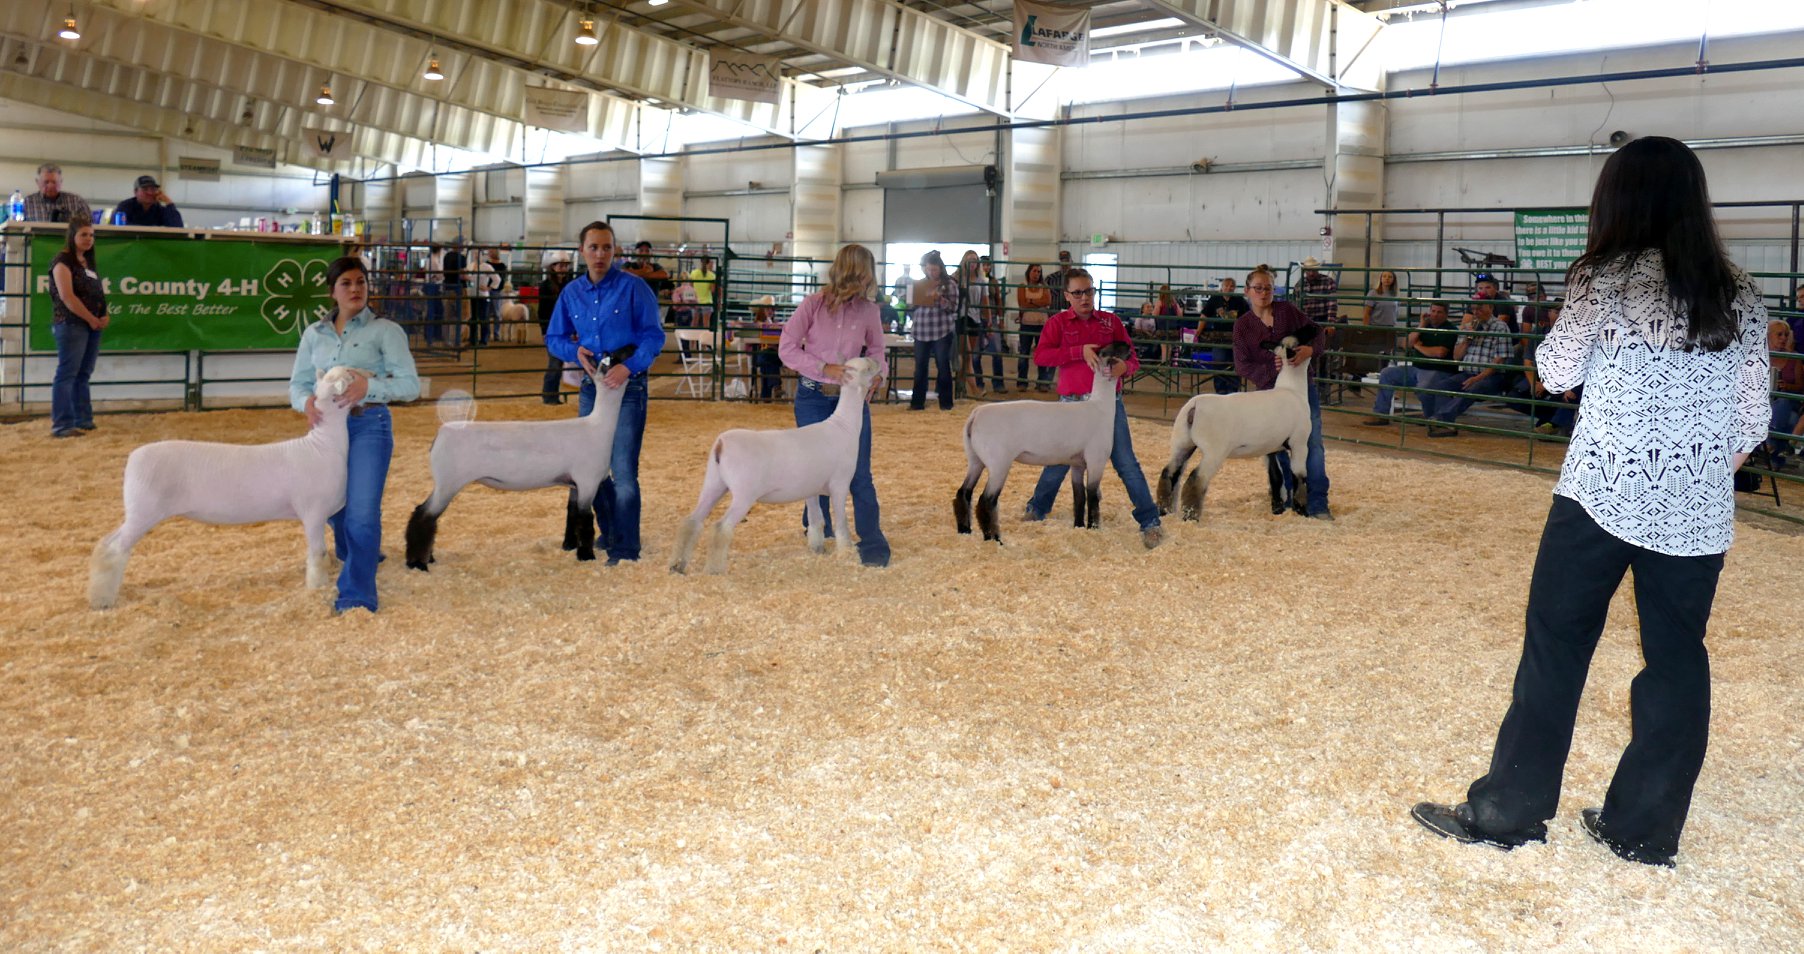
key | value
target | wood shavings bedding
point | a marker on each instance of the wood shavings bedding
(1067, 742)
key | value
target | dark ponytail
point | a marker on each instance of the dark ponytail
(1651, 196)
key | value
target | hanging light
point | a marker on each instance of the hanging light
(432, 71)
(325, 95)
(656, 3)
(69, 30)
(247, 117)
(585, 32)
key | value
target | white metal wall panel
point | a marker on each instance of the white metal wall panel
(884, 37)
(1314, 37)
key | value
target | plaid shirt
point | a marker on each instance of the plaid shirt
(66, 207)
(1481, 351)
(933, 322)
(1316, 296)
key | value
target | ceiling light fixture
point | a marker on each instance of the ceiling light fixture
(656, 3)
(20, 60)
(248, 116)
(585, 32)
(325, 95)
(432, 71)
(69, 30)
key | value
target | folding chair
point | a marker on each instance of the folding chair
(696, 352)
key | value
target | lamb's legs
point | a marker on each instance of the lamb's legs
(1168, 478)
(1078, 496)
(422, 527)
(1196, 486)
(817, 535)
(570, 532)
(713, 488)
(961, 502)
(723, 534)
(585, 523)
(106, 568)
(987, 519)
(842, 539)
(1093, 493)
(314, 530)
(1274, 475)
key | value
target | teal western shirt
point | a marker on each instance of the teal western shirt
(369, 343)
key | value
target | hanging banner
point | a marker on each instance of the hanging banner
(565, 110)
(197, 170)
(327, 143)
(1054, 35)
(1550, 239)
(736, 75)
(178, 294)
(252, 156)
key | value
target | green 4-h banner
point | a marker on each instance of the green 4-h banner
(180, 294)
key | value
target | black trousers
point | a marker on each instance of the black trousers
(1577, 571)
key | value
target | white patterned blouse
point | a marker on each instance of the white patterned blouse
(1657, 426)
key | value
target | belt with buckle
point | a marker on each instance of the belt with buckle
(830, 390)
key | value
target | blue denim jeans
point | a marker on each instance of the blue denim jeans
(1448, 409)
(813, 407)
(940, 349)
(77, 348)
(357, 529)
(1127, 466)
(1316, 469)
(617, 504)
(1395, 376)
(434, 331)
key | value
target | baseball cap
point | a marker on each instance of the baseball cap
(147, 182)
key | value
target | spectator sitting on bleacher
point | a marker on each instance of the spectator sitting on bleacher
(1430, 347)
(1537, 321)
(1788, 391)
(1486, 286)
(1486, 342)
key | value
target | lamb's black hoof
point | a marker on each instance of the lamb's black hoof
(585, 557)
(965, 530)
(570, 545)
(418, 565)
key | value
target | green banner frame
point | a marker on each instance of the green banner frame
(183, 294)
(1549, 239)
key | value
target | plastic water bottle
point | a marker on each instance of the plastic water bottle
(350, 226)
(15, 207)
(318, 226)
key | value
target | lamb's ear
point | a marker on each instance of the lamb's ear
(1268, 345)
(619, 355)
(1305, 334)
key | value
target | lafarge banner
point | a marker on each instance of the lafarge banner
(178, 294)
(1055, 35)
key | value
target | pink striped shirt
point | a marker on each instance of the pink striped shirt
(815, 337)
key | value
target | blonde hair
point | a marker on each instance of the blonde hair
(852, 276)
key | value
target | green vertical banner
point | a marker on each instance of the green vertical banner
(1550, 239)
(183, 294)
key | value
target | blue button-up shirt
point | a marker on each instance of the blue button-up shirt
(369, 343)
(606, 316)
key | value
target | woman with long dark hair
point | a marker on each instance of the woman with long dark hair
(1669, 340)
(355, 337)
(78, 304)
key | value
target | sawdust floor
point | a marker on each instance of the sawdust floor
(1066, 743)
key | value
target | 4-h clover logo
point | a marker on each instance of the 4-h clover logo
(296, 295)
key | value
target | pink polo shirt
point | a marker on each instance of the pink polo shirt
(1062, 346)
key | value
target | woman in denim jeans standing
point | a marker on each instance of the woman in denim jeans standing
(78, 299)
(354, 337)
(829, 328)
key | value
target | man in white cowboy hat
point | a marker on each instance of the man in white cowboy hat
(1314, 295)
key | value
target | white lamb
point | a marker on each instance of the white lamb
(302, 479)
(1247, 424)
(782, 467)
(1080, 434)
(525, 455)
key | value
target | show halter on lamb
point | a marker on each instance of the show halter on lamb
(1076, 433)
(302, 479)
(783, 467)
(1247, 424)
(525, 455)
